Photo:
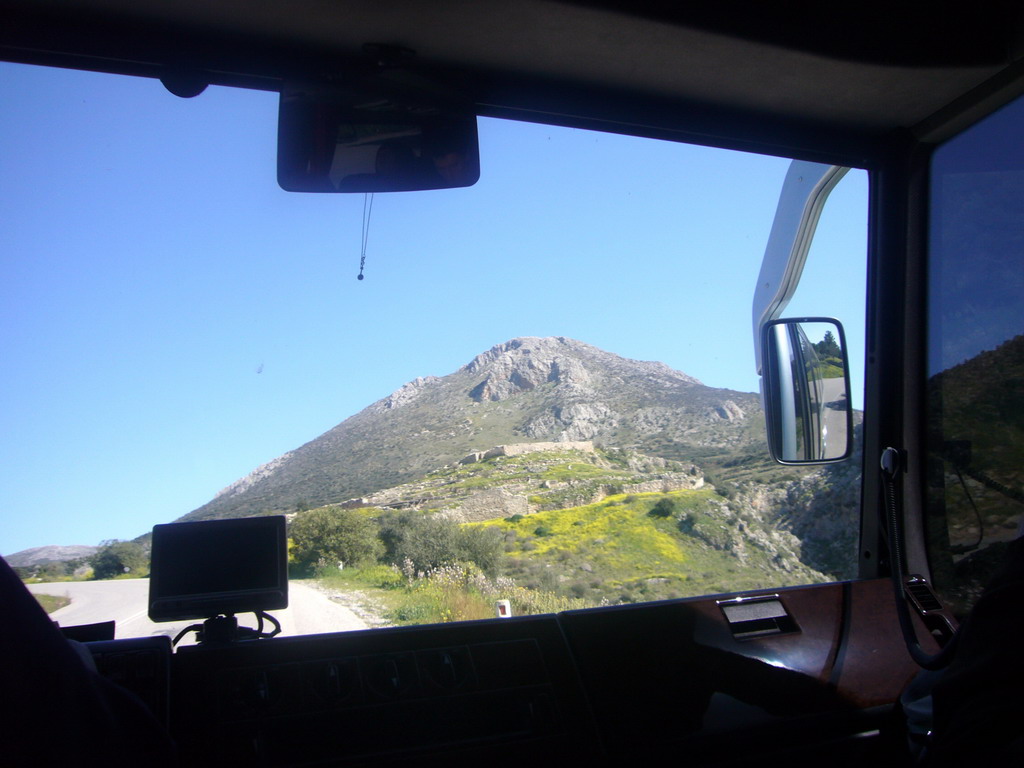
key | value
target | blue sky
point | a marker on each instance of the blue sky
(171, 318)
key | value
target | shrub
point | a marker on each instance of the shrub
(665, 507)
(430, 542)
(330, 535)
(481, 545)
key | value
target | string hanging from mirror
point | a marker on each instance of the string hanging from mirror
(367, 211)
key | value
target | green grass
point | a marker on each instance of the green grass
(827, 370)
(453, 593)
(52, 603)
(423, 601)
(576, 470)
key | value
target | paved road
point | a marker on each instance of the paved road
(834, 391)
(125, 601)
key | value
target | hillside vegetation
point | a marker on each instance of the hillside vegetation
(452, 543)
(630, 548)
(523, 478)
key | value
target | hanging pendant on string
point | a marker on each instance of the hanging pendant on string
(367, 211)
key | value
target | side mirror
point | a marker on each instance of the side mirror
(806, 385)
(342, 141)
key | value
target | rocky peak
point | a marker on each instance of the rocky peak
(532, 347)
(523, 364)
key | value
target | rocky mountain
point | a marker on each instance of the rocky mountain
(51, 554)
(522, 391)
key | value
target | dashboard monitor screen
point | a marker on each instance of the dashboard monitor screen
(204, 569)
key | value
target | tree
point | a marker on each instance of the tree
(482, 545)
(118, 558)
(828, 346)
(331, 535)
(429, 541)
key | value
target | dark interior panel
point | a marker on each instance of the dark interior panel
(599, 683)
(383, 694)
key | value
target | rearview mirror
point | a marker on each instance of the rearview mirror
(806, 385)
(346, 142)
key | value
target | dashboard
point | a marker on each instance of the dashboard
(787, 672)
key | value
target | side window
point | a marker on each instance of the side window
(975, 387)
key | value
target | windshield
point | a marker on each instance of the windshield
(540, 396)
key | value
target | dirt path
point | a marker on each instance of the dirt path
(369, 610)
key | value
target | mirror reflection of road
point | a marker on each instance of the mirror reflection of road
(834, 391)
(125, 601)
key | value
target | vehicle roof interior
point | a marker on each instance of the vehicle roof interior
(794, 79)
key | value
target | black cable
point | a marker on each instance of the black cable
(962, 548)
(995, 485)
(890, 465)
(185, 631)
(240, 633)
(275, 622)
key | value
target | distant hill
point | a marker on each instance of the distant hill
(524, 390)
(981, 402)
(50, 554)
